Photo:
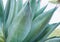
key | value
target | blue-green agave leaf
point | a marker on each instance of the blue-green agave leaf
(19, 5)
(38, 24)
(1, 20)
(34, 6)
(1, 10)
(11, 13)
(6, 14)
(38, 4)
(7, 9)
(40, 11)
(49, 29)
(20, 26)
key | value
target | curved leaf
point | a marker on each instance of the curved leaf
(1, 20)
(19, 5)
(40, 11)
(46, 32)
(1, 35)
(1, 10)
(34, 6)
(7, 9)
(20, 29)
(11, 13)
(53, 39)
(38, 24)
(6, 14)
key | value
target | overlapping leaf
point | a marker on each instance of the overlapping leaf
(1, 20)
(40, 11)
(25, 22)
(20, 26)
(46, 32)
(34, 6)
(7, 9)
(19, 5)
(11, 13)
(53, 39)
(39, 23)
(1, 10)
(6, 14)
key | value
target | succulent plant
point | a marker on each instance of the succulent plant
(25, 22)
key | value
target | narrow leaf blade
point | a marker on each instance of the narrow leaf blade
(48, 31)
(40, 11)
(20, 29)
(38, 24)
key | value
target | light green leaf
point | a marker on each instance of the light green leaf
(1, 34)
(53, 39)
(1, 20)
(1, 40)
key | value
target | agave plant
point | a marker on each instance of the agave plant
(25, 22)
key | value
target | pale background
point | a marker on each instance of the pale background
(55, 18)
